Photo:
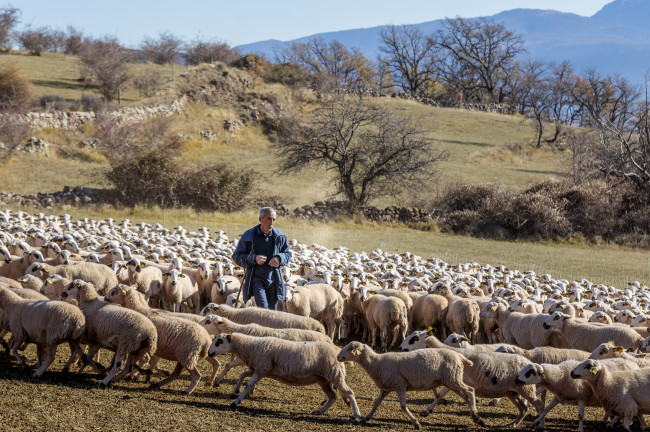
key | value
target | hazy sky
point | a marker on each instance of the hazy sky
(244, 21)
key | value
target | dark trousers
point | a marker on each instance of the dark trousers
(265, 293)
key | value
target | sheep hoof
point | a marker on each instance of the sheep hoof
(425, 413)
(479, 422)
(355, 419)
(154, 386)
(233, 396)
(416, 424)
(104, 386)
(442, 402)
(493, 402)
(317, 412)
(234, 405)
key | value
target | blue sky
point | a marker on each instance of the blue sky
(243, 21)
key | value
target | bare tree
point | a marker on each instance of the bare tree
(373, 151)
(408, 54)
(106, 62)
(14, 89)
(479, 51)
(330, 61)
(13, 132)
(163, 50)
(73, 41)
(200, 51)
(9, 17)
(35, 40)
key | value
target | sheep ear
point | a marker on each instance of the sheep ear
(165, 274)
(122, 291)
(431, 331)
(134, 286)
(356, 352)
(182, 275)
(208, 322)
(566, 317)
(594, 371)
(45, 270)
(49, 281)
(142, 265)
(493, 308)
(229, 337)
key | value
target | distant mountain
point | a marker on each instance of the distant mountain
(616, 40)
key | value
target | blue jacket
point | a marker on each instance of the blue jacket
(244, 257)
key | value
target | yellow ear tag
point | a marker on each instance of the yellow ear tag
(594, 371)
(543, 375)
(122, 291)
(430, 331)
(493, 308)
(135, 286)
(356, 352)
(620, 349)
(49, 281)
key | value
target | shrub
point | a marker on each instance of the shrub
(286, 73)
(14, 89)
(253, 64)
(52, 102)
(216, 187)
(147, 83)
(89, 102)
(13, 131)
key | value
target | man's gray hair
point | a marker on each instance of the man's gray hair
(265, 210)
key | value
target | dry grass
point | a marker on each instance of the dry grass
(58, 402)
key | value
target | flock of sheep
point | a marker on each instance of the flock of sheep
(144, 293)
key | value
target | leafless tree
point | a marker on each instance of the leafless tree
(73, 41)
(201, 51)
(35, 40)
(106, 62)
(373, 151)
(163, 50)
(14, 89)
(329, 61)
(408, 54)
(9, 17)
(480, 51)
(13, 132)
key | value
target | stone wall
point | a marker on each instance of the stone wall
(74, 119)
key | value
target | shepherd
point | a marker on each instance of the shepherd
(261, 251)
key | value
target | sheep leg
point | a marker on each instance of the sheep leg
(75, 352)
(117, 364)
(347, 393)
(234, 361)
(39, 355)
(642, 422)
(520, 404)
(196, 376)
(175, 373)
(467, 394)
(235, 390)
(438, 399)
(396, 333)
(87, 359)
(401, 396)
(537, 403)
(130, 361)
(382, 395)
(384, 338)
(215, 368)
(539, 422)
(249, 386)
(330, 396)
(581, 415)
(14, 352)
(50, 353)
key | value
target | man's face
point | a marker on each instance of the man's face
(267, 220)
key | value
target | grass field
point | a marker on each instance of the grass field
(59, 402)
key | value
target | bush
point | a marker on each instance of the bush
(253, 64)
(147, 83)
(89, 102)
(53, 102)
(14, 89)
(216, 187)
(13, 131)
(286, 73)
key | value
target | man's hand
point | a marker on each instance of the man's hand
(260, 259)
(275, 262)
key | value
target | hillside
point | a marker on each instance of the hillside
(483, 147)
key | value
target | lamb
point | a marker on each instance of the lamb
(179, 292)
(109, 326)
(455, 340)
(179, 340)
(492, 375)
(607, 384)
(385, 313)
(223, 287)
(265, 317)
(216, 325)
(517, 328)
(53, 286)
(45, 323)
(430, 310)
(409, 371)
(147, 279)
(100, 276)
(318, 301)
(609, 350)
(555, 378)
(289, 362)
(462, 313)
(31, 282)
(587, 336)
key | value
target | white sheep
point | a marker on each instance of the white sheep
(45, 323)
(179, 292)
(556, 379)
(455, 340)
(624, 393)
(289, 362)
(430, 310)
(519, 329)
(462, 313)
(609, 350)
(412, 371)
(223, 287)
(147, 279)
(318, 301)
(385, 313)
(216, 325)
(127, 332)
(53, 286)
(587, 336)
(179, 340)
(265, 317)
(100, 276)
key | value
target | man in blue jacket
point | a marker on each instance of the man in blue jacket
(262, 250)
